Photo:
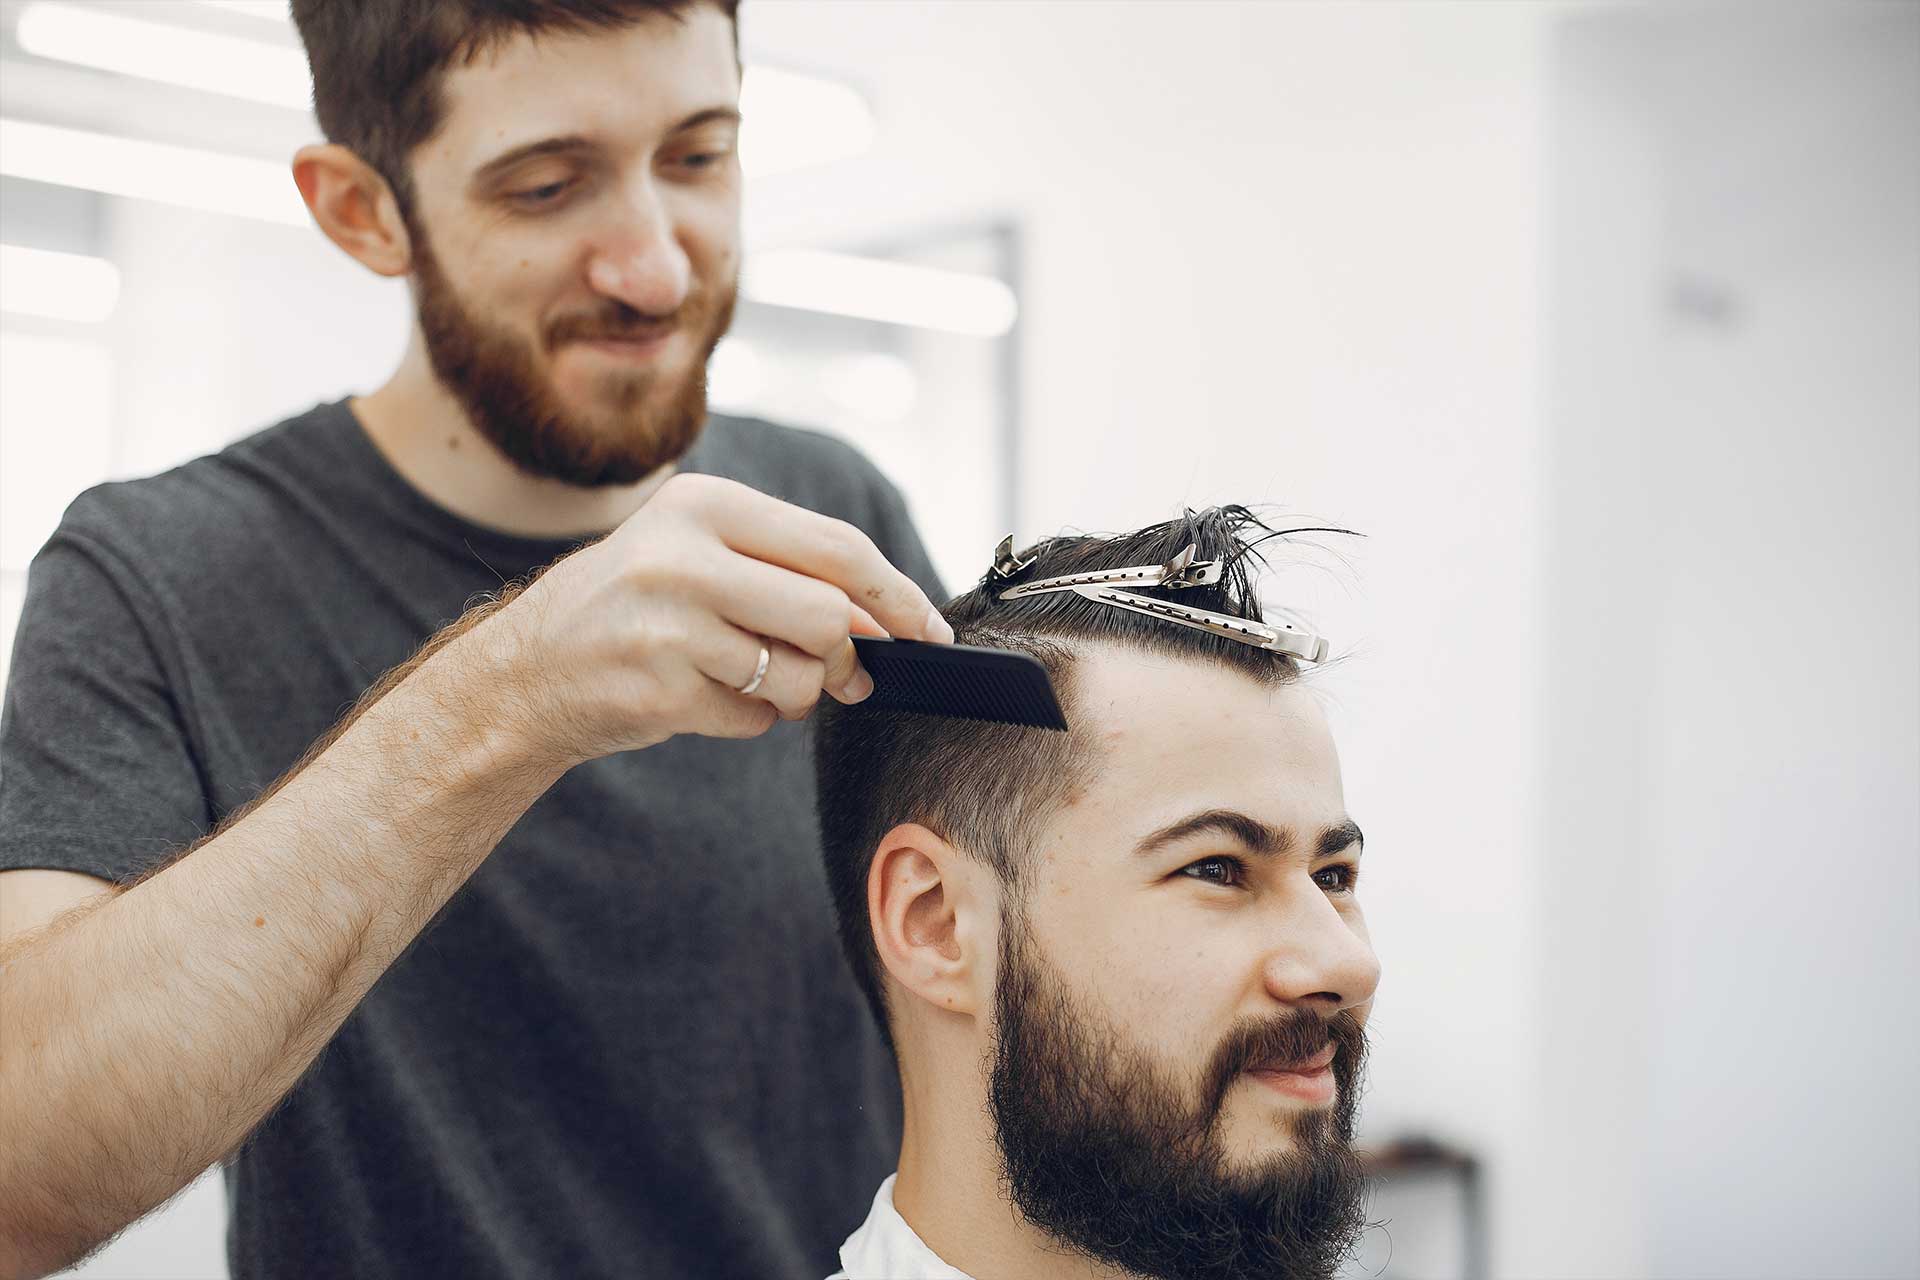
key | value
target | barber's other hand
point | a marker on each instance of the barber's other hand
(651, 631)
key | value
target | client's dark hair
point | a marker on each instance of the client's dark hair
(986, 788)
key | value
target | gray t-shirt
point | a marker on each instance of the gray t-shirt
(629, 1045)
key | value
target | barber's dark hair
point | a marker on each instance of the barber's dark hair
(377, 64)
(986, 788)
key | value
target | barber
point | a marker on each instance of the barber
(521, 967)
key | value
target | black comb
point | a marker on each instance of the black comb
(959, 680)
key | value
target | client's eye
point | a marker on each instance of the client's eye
(1343, 878)
(1217, 870)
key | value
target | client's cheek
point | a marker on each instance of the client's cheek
(1165, 981)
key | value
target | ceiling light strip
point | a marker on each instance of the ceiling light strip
(238, 186)
(234, 66)
(877, 289)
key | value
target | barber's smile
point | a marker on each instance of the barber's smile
(1310, 1080)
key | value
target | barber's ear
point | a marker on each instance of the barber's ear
(354, 205)
(930, 922)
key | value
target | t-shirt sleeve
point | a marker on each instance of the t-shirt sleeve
(97, 773)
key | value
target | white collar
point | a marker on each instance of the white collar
(886, 1248)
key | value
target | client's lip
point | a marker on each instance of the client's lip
(1303, 1066)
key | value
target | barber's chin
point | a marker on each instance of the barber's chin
(590, 365)
(592, 389)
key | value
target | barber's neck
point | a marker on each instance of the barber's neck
(948, 1189)
(425, 434)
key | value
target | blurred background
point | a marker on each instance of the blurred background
(1602, 321)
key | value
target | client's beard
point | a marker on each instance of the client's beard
(1106, 1151)
(495, 376)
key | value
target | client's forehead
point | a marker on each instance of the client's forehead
(1168, 736)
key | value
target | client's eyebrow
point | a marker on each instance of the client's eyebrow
(1255, 835)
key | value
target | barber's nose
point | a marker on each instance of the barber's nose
(1321, 959)
(641, 262)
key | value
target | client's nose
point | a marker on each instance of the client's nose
(1320, 959)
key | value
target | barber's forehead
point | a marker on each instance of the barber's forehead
(620, 83)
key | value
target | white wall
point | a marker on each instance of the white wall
(1729, 836)
(229, 325)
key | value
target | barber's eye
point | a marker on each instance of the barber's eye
(534, 197)
(1221, 871)
(1342, 881)
(702, 161)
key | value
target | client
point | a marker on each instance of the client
(1122, 968)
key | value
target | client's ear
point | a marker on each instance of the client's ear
(929, 922)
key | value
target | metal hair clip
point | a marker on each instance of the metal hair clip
(1181, 571)
(1281, 638)
(1005, 563)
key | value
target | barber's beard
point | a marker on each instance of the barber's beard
(645, 421)
(1116, 1157)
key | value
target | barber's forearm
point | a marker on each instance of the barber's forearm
(142, 1040)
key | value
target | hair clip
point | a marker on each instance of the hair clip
(1280, 638)
(1005, 563)
(1180, 572)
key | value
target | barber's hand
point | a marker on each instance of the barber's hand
(652, 631)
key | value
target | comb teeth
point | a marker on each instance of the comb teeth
(959, 680)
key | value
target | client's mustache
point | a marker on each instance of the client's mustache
(1278, 1041)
